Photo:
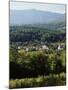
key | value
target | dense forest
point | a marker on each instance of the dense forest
(31, 63)
(28, 34)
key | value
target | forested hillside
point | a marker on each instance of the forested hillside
(37, 55)
(37, 34)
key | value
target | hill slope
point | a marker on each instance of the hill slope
(19, 17)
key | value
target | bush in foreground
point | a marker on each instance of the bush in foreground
(41, 81)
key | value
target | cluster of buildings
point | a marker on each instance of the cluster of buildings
(37, 48)
(33, 48)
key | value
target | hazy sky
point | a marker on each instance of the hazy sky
(58, 8)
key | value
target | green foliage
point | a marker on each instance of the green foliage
(13, 54)
(36, 63)
(35, 68)
(34, 35)
(51, 80)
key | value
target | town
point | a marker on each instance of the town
(39, 48)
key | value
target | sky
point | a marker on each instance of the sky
(57, 8)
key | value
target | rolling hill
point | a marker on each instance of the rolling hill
(32, 16)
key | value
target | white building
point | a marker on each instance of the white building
(44, 47)
(27, 49)
(19, 47)
(60, 48)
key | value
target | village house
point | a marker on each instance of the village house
(27, 49)
(44, 47)
(60, 47)
(19, 47)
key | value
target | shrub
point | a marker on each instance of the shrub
(41, 81)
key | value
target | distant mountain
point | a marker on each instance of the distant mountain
(31, 16)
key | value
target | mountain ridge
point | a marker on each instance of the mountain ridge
(33, 16)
